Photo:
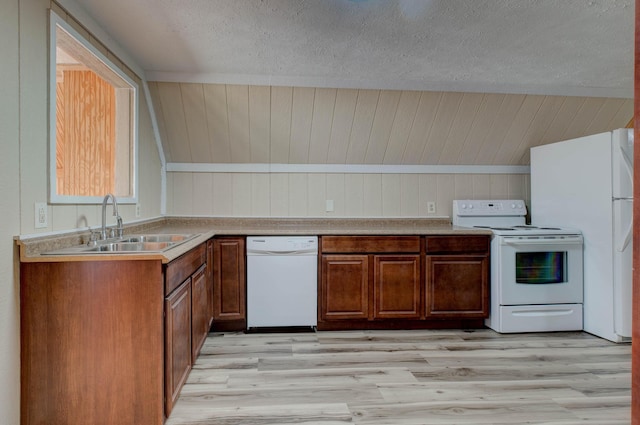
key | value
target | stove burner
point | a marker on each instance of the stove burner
(502, 228)
(550, 228)
(483, 227)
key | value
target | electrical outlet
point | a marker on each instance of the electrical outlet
(329, 207)
(431, 207)
(40, 215)
(138, 208)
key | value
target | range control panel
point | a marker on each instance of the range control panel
(489, 208)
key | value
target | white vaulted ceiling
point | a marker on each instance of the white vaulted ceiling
(568, 47)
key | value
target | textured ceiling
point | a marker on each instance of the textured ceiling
(560, 47)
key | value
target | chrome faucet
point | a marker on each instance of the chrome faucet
(103, 232)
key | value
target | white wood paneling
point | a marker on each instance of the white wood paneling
(281, 105)
(505, 115)
(298, 195)
(483, 121)
(301, 120)
(230, 131)
(279, 191)
(391, 195)
(260, 124)
(460, 127)
(422, 124)
(196, 123)
(343, 114)
(241, 195)
(202, 199)
(215, 102)
(442, 124)
(336, 192)
(361, 127)
(260, 195)
(403, 121)
(323, 107)
(317, 195)
(354, 195)
(170, 98)
(379, 135)
(239, 132)
(222, 195)
(410, 195)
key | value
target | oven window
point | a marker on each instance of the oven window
(541, 267)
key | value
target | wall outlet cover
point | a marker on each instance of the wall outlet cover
(41, 219)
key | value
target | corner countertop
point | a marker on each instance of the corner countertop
(31, 246)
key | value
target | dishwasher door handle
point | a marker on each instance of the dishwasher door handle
(296, 252)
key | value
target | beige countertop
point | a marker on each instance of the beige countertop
(31, 246)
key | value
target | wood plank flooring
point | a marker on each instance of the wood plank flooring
(407, 377)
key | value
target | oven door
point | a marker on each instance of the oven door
(540, 269)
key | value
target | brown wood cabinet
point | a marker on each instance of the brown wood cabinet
(396, 287)
(403, 281)
(201, 313)
(229, 284)
(210, 281)
(186, 318)
(369, 278)
(178, 340)
(457, 276)
(110, 341)
(344, 287)
(91, 342)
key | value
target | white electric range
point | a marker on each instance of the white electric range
(536, 271)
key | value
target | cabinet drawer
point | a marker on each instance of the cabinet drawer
(369, 244)
(182, 267)
(457, 244)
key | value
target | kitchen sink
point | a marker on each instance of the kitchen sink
(131, 247)
(160, 238)
(128, 244)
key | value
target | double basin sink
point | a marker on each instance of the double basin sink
(128, 244)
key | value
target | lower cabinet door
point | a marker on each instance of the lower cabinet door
(397, 287)
(200, 297)
(457, 286)
(344, 287)
(229, 282)
(178, 353)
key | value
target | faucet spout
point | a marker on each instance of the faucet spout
(103, 231)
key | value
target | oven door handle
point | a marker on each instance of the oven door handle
(577, 240)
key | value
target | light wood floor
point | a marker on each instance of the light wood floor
(407, 377)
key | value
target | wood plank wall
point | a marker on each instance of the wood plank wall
(210, 123)
(354, 195)
(85, 135)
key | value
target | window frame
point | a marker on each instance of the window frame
(55, 21)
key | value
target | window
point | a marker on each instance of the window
(93, 122)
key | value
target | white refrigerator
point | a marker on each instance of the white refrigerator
(587, 183)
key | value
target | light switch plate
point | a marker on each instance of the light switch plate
(329, 205)
(41, 218)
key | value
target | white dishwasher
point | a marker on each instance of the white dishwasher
(282, 281)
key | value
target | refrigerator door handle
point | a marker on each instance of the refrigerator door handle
(627, 238)
(627, 161)
(621, 218)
